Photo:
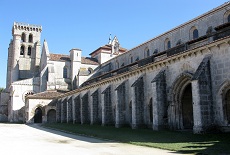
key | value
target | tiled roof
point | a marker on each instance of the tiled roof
(84, 60)
(87, 60)
(49, 94)
(59, 57)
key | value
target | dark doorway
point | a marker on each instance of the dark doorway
(187, 108)
(51, 116)
(151, 110)
(38, 115)
(227, 107)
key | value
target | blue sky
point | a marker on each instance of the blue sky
(86, 24)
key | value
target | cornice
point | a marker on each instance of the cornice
(154, 65)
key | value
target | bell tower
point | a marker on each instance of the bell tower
(23, 52)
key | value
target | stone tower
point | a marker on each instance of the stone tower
(75, 57)
(23, 52)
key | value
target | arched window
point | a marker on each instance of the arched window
(30, 38)
(178, 42)
(29, 50)
(64, 72)
(229, 18)
(23, 37)
(90, 70)
(167, 44)
(131, 59)
(147, 53)
(195, 34)
(22, 50)
(155, 51)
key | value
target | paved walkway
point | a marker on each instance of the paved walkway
(20, 139)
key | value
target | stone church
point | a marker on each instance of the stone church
(179, 80)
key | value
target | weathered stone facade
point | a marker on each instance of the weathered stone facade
(29, 72)
(180, 80)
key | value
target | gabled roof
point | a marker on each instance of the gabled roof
(59, 57)
(87, 60)
(49, 94)
(108, 47)
(62, 57)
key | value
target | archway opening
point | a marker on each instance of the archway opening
(227, 107)
(38, 115)
(187, 107)
(51, 116)
(150, 111)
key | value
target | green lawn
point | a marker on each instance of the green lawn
(183, 142)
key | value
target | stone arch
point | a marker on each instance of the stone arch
(51, 116)
(193, 33)
(176, 113)
(167, 44)
(23, 38)
(30, 38)
(90, 70)
(146, 52)
(227, 17)
(29, 51)
(38, 114)
(223, 103)
(22, 50)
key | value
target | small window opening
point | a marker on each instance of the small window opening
(29, 51)
(64, 72)
(30, 38)
(22, 50)
(168, 44)
(23, 37)
(195, 34)
(148, 53)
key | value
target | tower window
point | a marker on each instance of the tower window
(22, 50)
(23, 37)
(29, 50)
(30, 38)
(195, 34)
(64, 72)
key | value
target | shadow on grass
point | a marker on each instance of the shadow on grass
(180, 141)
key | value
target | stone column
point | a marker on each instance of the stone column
(58, 114)
(197, 128)
(103, 109)
(69, 110)
(64, 111)
(117, 112)
(73, 109)
(132, 95)
(155, 108)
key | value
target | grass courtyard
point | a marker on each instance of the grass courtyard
(179, 141)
